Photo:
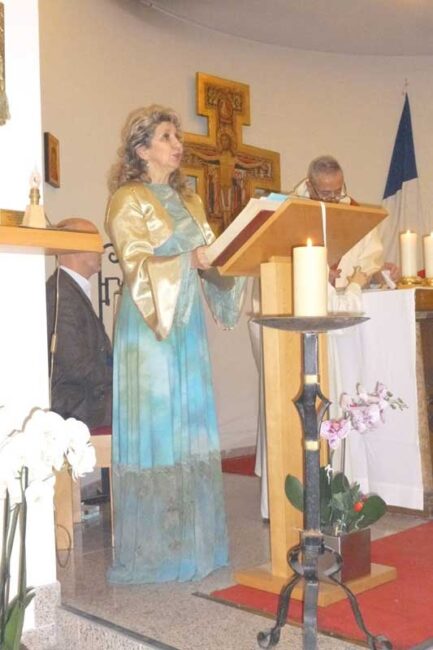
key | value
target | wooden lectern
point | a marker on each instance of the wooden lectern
(266, 252)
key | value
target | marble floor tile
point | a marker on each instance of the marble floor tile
(171, 613)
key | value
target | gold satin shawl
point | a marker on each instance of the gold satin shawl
(137, 223)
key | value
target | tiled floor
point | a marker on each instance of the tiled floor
(171, 613)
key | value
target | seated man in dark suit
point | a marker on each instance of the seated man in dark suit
(80, 352)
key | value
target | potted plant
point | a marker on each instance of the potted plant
(345, 517)
(345, 512)
(28, 458)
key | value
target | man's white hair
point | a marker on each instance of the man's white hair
(323, 165)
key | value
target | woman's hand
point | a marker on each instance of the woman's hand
(199, 259)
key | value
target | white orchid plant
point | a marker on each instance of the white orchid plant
(29, 456)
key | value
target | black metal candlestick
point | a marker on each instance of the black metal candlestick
(303, 559)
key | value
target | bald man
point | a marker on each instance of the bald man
(81, 361)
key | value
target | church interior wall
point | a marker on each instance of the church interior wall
(23, 354)
(101, 59)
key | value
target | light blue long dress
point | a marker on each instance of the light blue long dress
(167, 481)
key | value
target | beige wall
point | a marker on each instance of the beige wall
(101, 58)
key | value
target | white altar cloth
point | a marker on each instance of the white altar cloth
(386, 460)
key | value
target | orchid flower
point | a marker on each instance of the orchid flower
(361, 413)
(334, 431)
(30, 453)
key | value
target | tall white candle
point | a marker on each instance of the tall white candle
(310, 280)
(408, 243)
(428, 255)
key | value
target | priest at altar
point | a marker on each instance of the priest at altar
(325, 182)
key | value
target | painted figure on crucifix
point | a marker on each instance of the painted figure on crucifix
(227, 171)
(227, 184)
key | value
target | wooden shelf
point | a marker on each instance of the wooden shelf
(49, 240)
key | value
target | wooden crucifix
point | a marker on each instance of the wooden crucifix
(226, 172)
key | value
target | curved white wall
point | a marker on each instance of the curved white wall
(100, 59)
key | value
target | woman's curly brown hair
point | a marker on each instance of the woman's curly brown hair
(139, 130)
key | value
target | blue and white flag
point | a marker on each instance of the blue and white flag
(402, 196)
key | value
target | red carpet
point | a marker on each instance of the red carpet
(239, 465)
(402, 609)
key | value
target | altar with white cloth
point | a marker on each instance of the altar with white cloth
(393, 460)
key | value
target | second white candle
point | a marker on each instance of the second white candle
(408, 244)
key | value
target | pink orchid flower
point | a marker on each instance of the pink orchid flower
(361, 413)
(334, 431)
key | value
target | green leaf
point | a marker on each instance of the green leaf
(339, 501)
(339, 483)
(294, 492)
(15, 620)
(374, 508)
(14, 626)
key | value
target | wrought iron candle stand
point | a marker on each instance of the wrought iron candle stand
(304, 558)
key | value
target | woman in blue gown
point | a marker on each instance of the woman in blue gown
(169, 519)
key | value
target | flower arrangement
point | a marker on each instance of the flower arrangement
(343, 507)
(28, 459)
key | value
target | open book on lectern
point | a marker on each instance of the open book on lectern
(267, 228)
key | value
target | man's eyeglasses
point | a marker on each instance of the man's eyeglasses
(332, 197)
